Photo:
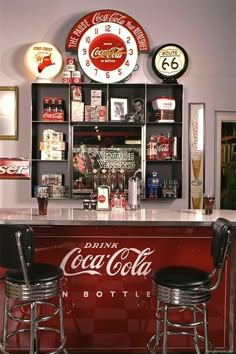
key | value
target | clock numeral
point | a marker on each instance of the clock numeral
(96, 71)
(119, 32)
(131, 52)
(128, 39)
(87, 62)
(127, 63)
(84, 51)
(96, 30)
(87, 40)
(108, 74)
(119, 72)
(108, 28)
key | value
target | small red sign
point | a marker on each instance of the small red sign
(102, 198)
(14, 168)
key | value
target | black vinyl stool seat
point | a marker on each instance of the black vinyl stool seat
(180, 288)
(33, 291)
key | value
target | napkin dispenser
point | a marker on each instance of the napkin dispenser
(103, 198)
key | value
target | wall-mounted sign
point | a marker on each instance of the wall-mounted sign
(14, 168)
(196, 155)
(170, 62)
(108, 43)
(44, 60)
(8, 112)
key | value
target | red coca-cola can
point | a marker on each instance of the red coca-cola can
(102, 113)
(164, 148)
(70, 61)
(76, 77)
(66, 77)
(70, 67)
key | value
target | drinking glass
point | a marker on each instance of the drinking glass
(209, 200)
(196, 164)
(42, 204)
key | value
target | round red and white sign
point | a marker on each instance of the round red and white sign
(102, 199)
(44, 60)
(107, 52)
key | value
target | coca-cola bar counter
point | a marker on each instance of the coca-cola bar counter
(108, 258)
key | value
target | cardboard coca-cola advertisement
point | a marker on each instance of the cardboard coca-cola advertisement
(104, 160)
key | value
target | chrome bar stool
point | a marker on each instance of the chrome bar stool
(33, 291)
(182, 288)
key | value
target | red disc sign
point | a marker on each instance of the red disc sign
(107, 52)
(102, 198)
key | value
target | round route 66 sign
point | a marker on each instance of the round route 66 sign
(170, 62)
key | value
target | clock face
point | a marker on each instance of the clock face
(107, 52)
(170, 61)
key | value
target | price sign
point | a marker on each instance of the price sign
(170, 62)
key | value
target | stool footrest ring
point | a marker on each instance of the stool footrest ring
(50, 329)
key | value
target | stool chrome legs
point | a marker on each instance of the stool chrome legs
(165, 327)
(206, 328)
(27, 314)
(195, 335)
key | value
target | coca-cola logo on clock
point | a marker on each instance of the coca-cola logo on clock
(107, 52)
(108, 43)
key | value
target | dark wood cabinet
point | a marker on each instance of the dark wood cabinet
(123, 134)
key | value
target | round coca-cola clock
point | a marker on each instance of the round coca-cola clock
(107, 52)
(108, 43)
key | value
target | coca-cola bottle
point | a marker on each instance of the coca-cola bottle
(113, 180)
(59, 107)
(53, 105)
(95, 181)
(159, 151)
(46, 104)
(87, 161)
(121, 181)
(104, 177)
(169, 142)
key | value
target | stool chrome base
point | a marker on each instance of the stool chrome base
(30, 313)
(187, 288)
(165, 327)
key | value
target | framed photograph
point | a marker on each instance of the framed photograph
(119, 109)
(196, 154)
(225, 160)
(8, 112)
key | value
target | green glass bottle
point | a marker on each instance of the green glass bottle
(87, 161)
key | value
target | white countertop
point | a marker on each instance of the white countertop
(152, 217)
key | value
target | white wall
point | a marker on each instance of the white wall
(205, 28)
